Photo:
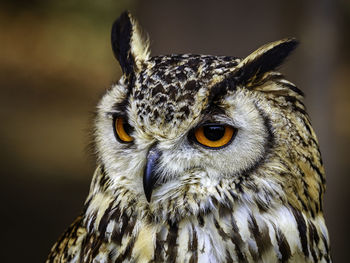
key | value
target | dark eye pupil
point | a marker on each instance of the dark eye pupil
(214, 132)
(127, 128)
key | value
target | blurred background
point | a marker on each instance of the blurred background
(56, 62)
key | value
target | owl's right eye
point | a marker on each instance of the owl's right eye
(213, 135)
(122, 130)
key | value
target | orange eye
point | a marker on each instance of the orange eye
(214, 135)
(122, 130)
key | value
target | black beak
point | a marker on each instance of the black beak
(149, 175)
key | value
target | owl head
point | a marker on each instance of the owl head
(181, 135)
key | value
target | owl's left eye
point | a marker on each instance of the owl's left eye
(122, 130)
(213, 135)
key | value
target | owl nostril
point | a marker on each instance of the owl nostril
(149, 175)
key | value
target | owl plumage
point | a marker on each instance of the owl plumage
(168, 188)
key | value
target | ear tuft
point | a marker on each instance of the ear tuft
(264, 59)
(128, 45)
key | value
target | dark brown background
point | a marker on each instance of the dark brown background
(56, 62)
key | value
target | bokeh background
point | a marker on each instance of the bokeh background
(56, 62)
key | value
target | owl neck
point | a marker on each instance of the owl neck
(175, 206)
(225, 227)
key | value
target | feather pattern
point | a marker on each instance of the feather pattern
(165, 197)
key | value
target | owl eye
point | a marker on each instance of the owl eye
(122, 130)
(214, 135)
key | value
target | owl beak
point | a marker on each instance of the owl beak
(150, 175)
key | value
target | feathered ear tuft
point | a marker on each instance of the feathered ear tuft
(264, 59)
(129, 47)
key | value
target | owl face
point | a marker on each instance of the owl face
(181, 133)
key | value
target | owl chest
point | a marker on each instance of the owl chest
(184, 241)
(181, 242)
(240, 236)
(218, 239)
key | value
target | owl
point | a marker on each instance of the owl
(200, 159)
